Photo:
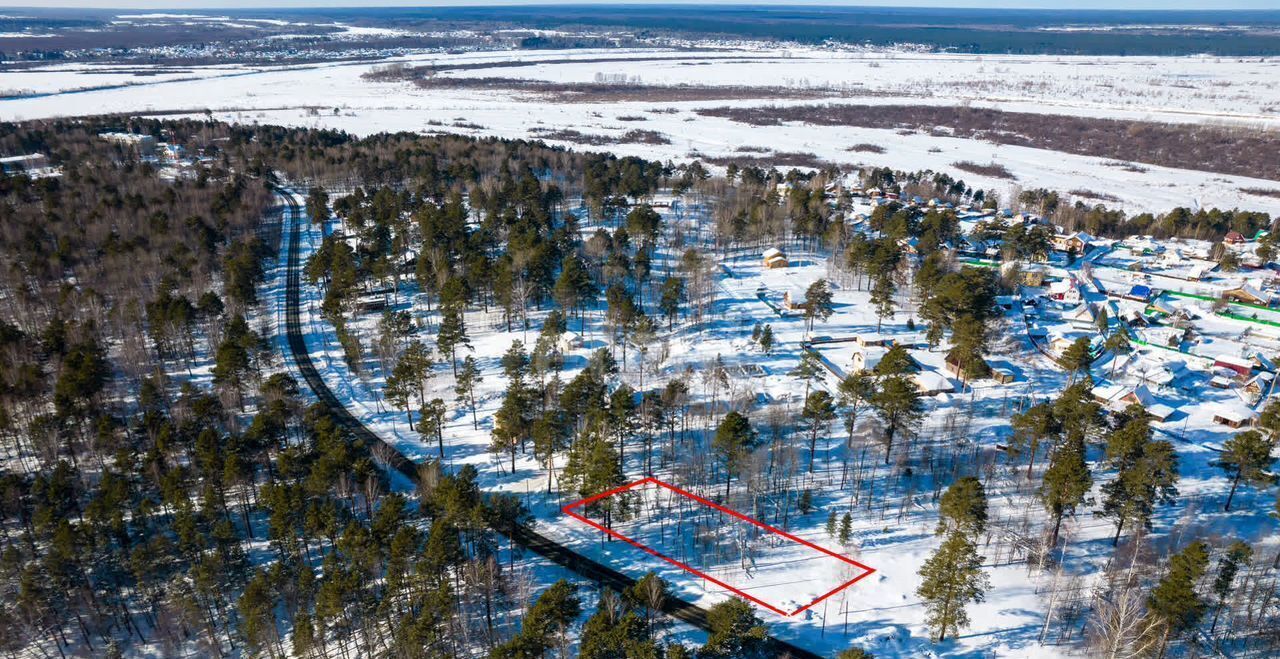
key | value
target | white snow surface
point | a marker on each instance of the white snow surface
(1244, 92)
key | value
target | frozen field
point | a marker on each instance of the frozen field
(335, 95)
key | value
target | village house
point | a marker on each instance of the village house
(1234, 238)
(1117, 397)
(953, 367)
(774, 258)
(1076, 243)
(1238, 365)
(1033, 275)
(1160, 305)
(1199, 271)
(1059, 345)
(1259, 385)
(1247, 294)
(171, 152)
(1139, 293)
(1082, 317)
(1066, 291)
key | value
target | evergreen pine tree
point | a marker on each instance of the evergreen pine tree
(1077, 357)
(735, 632)
(1239, 554)
(1175, 602)
(1246, 457)
(963, 508)
(818, 413)
(766, 339)
(734, 441)
(1030, 428)
(1146, 474)
(451, 335)
(465, 386)
(951, 579)
(882, 299)
(1066, 482)
(818, 303)
(898, 404)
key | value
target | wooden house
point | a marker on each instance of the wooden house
(1234, 416)
(1077, 242)
(1248, 294)
(774, 258)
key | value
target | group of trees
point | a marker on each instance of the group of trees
(132, 494)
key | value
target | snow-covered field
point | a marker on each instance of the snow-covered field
(78, 77)
(334, 95)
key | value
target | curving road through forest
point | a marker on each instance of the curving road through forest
(523, 536)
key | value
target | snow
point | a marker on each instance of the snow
(1141, 88)
(892, 528)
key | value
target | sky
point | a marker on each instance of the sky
(987, 4)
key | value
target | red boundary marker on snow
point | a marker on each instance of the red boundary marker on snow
(568, 510)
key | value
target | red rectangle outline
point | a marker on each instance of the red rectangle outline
(568, 510)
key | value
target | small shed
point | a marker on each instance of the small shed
(932, 383)
(866, 359)
(877, 340)
(569, 341)
(1160, 411)
(1234, 416)
(793, 300)
(1140, 293)
(954, 368)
